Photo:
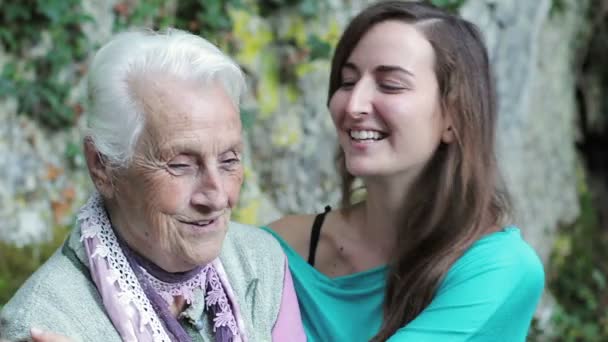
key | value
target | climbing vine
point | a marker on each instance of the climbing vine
(47, 46)
(451, 5)
(47, 50)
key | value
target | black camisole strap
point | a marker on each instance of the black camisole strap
(315, 234)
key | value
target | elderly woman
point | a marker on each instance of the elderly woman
(154, 256)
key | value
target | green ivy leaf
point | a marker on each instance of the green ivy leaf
(450, 5)
(308, 8)
(319, 49)
(247, 118)
(14, 12)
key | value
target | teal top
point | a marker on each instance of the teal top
(489, 294)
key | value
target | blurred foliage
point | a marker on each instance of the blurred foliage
(18, 263)
(451, 5)
(578, 275)
(49, 49)
(45, 38)
(557, 6)
(208, 18)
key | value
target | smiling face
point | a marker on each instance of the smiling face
(387, 110)
(173, 202)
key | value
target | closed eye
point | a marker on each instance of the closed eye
(347, 84)
(231, 161)
(392, 87)
(180, 169)
(179, 166)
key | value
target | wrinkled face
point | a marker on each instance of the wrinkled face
(387, 111)
(173, 202)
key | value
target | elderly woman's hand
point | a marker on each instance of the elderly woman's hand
(47, 336)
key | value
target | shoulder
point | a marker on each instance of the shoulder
(253, 253)
(295, 231)
(255, 265)
(505, 248)
(251, 240)
(47, 285)
(502, 261)
(489, 294)
(56, 297)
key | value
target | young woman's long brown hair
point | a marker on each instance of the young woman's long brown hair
(458, 197)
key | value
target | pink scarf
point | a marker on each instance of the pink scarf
(126, 302)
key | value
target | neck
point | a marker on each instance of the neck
(152, 268)
(379, 216)
(178, 306)
(142, 249)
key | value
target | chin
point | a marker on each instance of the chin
(361, 170)
(202, 259)
(206, 252)
(190, 254)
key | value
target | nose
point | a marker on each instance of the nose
(210, 193)
(361, 98)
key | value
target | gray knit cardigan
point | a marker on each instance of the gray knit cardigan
(60, 296)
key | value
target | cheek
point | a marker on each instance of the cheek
(232, 185)
(405, 113)
(165, 194)
(394, 114)
(336, 107)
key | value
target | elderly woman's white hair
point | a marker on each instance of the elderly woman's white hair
(115, 117)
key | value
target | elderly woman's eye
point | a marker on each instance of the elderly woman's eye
(179, 166)
(180, 169)
(231, 161)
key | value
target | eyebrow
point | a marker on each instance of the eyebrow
(194, 149)
(236, 147)
(393, 68)
(351, 66)
(381, 69)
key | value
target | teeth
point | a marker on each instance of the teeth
(201, 223)
(365, 135)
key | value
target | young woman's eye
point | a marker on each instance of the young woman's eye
(391, 87)
(347, 84)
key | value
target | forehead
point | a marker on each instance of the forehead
(184, 112)
(393, 42)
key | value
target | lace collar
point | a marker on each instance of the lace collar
(126, 303)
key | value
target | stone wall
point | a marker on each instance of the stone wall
(291, 142)
(533, 49)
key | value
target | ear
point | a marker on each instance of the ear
(448, 134)
(100, 172)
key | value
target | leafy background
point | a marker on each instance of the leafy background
(49, 48)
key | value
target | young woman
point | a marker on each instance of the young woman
(427, 255)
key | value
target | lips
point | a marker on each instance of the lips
(200, 223)
(203, 223)
(366, 134)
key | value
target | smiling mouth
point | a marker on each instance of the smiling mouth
(366, 135)
(200, 223)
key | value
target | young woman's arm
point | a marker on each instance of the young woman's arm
(490, 294)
